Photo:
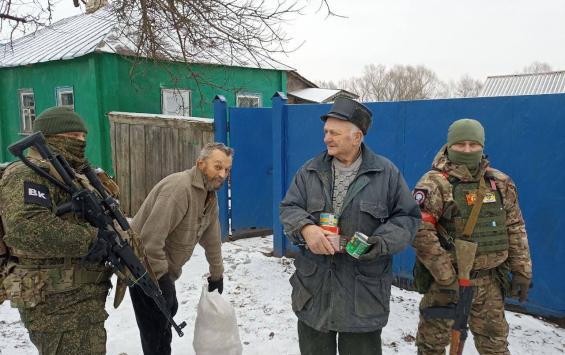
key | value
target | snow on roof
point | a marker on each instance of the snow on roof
(99, 31)
(525, 84)
(318, 95)
(69, 38)
(160, 116)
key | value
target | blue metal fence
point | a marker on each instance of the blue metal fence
(524, 137)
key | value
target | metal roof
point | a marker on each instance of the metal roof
(319, 95)
(99, 31)
(524, 84)
(69, 38)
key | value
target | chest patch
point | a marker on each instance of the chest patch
(36, 194)
(471, 196)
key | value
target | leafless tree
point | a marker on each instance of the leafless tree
(465, 87)
(536, 68)
(228, 32)
(22, 16)
(401, 82)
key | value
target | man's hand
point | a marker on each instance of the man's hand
(315, 238)
(375, 249)
(216, 285)
(520, 286)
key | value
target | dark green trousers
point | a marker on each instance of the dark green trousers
(314, 342)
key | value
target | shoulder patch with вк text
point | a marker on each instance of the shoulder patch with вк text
(36, 194)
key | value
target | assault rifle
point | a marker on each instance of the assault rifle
(100, 210)
(465, 253)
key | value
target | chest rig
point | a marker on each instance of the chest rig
(490, 229)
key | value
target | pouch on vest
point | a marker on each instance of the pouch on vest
(422, 277)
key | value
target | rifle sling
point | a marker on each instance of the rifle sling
(473, 217)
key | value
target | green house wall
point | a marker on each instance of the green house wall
(105, 82)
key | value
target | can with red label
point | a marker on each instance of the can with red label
(328, 221)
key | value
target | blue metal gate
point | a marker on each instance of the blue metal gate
(524, 138)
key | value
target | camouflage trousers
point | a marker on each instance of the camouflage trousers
(89, 341)
(69, 323)
(486, 322)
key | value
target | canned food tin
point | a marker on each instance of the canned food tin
(358, 245)
(328, 219)
(334, 230)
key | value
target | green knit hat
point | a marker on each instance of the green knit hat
(465, 129)
(59, 120)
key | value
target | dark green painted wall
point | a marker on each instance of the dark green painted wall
(105, 82)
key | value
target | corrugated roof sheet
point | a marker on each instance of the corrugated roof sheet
(66, 39)
(525, 84)
(79, 35)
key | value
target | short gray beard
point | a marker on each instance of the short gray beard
(207, 184)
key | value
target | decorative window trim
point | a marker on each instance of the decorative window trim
(249, 95)
(27, 114)
(62, 90)
(183, 108)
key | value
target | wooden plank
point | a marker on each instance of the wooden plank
(186, 148)
(153, 157)
(113, 145)
(123, 167)
(168, 148)
(137, 165)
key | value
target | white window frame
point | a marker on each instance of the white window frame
(64, 90)
(27, 113)
(249, 95)
(176, 102)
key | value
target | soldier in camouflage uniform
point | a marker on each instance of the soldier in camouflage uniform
(446, 196)
(60, 298)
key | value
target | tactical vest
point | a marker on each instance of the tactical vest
(490, 230)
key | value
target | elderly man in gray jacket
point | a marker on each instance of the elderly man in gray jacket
(334, 294)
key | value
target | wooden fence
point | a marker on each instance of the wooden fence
(148, 147)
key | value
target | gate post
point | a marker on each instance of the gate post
(221, 135)
(279, 117)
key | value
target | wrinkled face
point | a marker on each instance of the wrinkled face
(81, 136)
(466, 147)
(215, 168)
(342, 138)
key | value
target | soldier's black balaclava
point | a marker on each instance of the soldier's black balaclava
(56, 120)
(466, 129)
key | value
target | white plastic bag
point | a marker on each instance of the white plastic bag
(215, 329)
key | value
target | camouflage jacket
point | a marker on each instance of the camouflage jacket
(433, 192)
(50, 296)
(29, 202)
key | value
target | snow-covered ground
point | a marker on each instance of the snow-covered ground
(258, 288)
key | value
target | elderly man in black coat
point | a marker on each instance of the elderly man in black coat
(335, 294)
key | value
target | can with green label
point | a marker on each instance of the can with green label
(358, 245)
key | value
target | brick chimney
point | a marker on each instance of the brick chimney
(94, 5)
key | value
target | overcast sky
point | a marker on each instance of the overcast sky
(451, 37)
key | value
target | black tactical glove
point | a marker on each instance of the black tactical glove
(519, 287)
(216, 285)
(100, 250)
(376, 248)
(167, 286)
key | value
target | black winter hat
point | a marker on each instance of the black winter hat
(347, 109)
(58, 119)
